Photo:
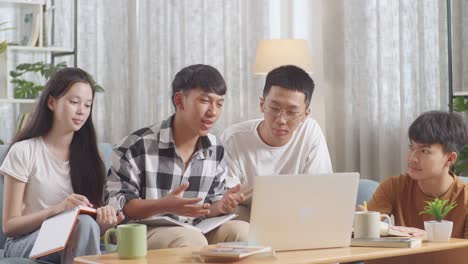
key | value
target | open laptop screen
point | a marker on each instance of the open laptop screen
(291, 212)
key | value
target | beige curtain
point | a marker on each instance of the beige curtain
(378, 64)
(136, 47)
(385, 63)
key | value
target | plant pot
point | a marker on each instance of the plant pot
(438, 231)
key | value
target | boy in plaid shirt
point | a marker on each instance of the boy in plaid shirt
(177, 168)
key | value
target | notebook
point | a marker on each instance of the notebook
(204, 226)
(56, 230)
(292, 212)
(392, 232)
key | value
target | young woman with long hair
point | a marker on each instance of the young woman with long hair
(53, 165)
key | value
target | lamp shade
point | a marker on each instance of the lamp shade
(273, 53)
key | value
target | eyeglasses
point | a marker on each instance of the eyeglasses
(274, 111)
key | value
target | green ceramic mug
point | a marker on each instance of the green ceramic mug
(131, 241)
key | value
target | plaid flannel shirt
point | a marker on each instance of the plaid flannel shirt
(146, 165)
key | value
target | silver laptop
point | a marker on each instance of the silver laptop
(291, 212)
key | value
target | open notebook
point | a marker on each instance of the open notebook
(392, 232)
(204, 226)
(55, 231)
(232, 252)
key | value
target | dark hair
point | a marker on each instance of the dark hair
(87, 170)
(439, 127)
(201, 76)
(292, 78)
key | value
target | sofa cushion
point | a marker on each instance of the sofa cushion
(19, 261)
(2, 236)
(365, 190)
(3, 149)
(106, 152)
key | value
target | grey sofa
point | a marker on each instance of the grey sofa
(106, 151)
(365, 191)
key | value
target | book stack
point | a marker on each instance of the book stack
(48, 24)
(22, 120)
(29, 27)
(396, 242)
(233, 252)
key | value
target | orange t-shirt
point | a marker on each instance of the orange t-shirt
(400, 196)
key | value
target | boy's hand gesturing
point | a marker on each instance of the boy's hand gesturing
(231, 199)
(177, 204)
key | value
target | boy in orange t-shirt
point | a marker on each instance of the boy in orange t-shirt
(436, 139)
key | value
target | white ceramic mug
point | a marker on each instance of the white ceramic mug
(367, 224)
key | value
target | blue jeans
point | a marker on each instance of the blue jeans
(84, 240)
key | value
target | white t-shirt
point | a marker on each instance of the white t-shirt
(47, 178)
(248, 156)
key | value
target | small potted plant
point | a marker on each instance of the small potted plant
(438, 230)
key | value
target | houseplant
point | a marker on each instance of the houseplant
(3, 44)
(28, 89)
(461, 166)
(438, 230)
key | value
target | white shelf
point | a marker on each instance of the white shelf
(16, 54)
(18, 101)
(39, 49)
(460, 94)
(29, 2)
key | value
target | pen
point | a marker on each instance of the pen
(365, 206)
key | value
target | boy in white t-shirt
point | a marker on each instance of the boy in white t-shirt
(285, 141)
